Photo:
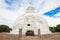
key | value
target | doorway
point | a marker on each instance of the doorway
(29, 33)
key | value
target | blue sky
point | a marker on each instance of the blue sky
(49, 9)
(52, 12)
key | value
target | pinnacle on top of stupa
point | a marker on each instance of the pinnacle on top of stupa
(30, 9)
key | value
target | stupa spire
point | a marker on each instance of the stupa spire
(30, 9)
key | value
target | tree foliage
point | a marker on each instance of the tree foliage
(52, 29)
(5, 28)
(55, 29)
(58, 27)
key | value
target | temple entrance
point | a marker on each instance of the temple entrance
(29, 33)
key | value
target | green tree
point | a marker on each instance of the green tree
(5, 28)
(52, 29)
(58, 28)
(55, 29)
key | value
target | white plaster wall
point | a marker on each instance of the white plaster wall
(36, 22)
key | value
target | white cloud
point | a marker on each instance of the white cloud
(52, 21)
(9, 17)
(57, 15)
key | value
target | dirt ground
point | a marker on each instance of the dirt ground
(7, 36)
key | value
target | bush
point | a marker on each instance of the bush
(58, 28)
(55, 29)
(52, 29)
(5, 28)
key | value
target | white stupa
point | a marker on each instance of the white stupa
(36, 22)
